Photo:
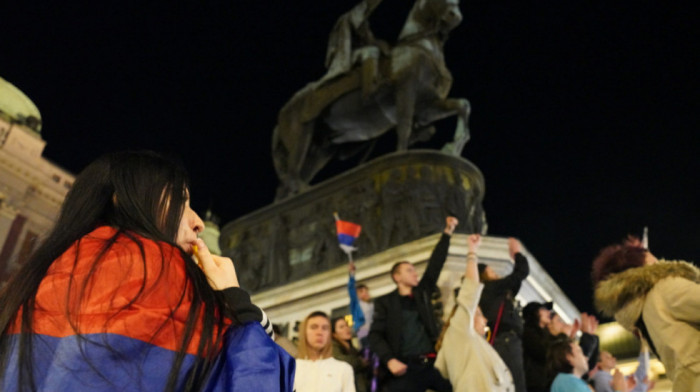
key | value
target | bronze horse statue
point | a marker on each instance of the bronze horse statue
(337, 116)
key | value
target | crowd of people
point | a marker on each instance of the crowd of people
(122, 295)
(488, 343)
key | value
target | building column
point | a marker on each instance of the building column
(11, 240)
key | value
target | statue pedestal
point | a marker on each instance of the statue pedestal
(397, 198)
(287, 253)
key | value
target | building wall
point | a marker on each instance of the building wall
(32, 190)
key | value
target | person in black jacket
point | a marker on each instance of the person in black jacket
(404, 328)
(536, 340)
(499, 306)
(541, 328)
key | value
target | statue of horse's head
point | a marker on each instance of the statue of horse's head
(432, 16)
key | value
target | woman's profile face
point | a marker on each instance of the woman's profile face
(650, 259)
(556, 325)
(545, 316)
(490, 274)
(342, 330)
(190, 225)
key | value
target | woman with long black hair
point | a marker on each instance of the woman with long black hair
(344, 350)
(122, 295)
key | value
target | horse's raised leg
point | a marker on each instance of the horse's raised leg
(462, 135)
(315, 161)
(439, 110)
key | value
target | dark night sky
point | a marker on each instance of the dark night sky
(584, 114)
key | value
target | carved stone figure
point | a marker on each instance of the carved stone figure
(365, 94)
(423, 188)
(277, 269)
(246, 253)
(397, 224)
(366, 210)
(351, 42)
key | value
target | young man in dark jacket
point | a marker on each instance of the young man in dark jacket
(404, 328)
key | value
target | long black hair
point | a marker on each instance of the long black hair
(141, 195)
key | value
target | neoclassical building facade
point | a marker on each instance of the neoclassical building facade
(31, 187)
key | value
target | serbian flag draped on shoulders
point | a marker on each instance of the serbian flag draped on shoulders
(127, 324)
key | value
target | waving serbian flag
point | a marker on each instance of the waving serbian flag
(347, 234)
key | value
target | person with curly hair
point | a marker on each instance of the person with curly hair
(660, 299)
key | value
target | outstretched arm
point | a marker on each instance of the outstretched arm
(472, 272)
(520, 270)
(470, 289)
(591, 348)
(641, 373)
(439, 256)
(358, 316)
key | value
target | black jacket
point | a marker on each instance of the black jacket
(590, 345)
(536, 341)
(504, 291)
(385, 333)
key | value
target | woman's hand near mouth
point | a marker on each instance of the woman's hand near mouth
(220, 271)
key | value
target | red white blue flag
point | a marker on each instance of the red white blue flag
(347, 234)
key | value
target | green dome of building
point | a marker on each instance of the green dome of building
(17, 107)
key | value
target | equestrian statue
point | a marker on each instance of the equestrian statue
(369, 89)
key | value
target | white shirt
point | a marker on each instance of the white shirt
(368, 310)
(324, 375)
